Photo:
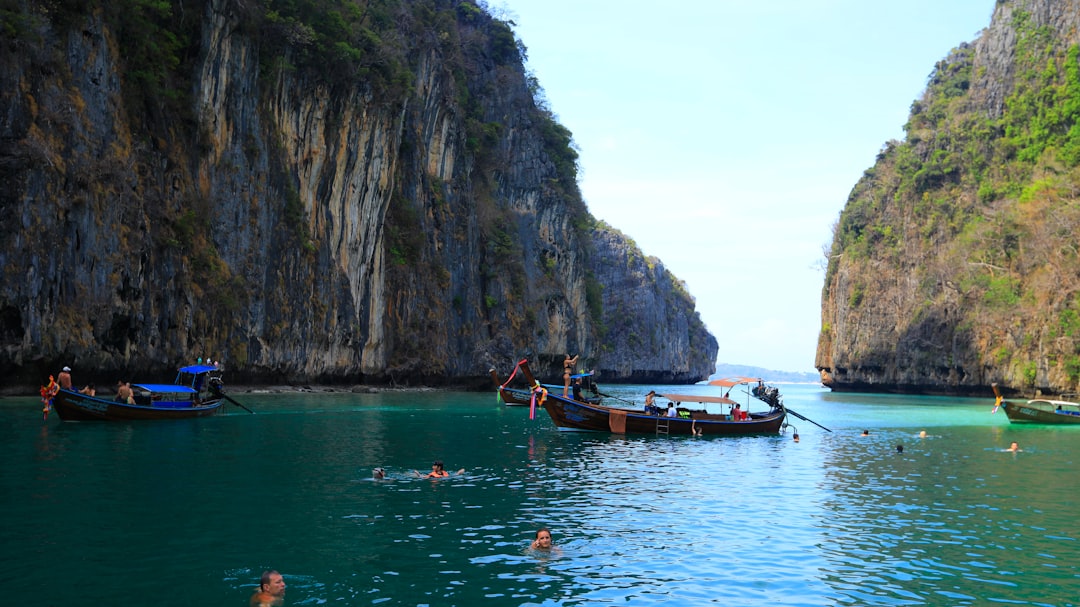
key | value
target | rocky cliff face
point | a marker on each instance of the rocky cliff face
(953, 264)
(303, 228)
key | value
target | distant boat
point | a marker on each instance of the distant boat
(196, 392)
(570, 414)
(1040, 410)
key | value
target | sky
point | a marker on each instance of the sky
(724, 136)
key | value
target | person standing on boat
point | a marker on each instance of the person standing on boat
(64, 378)
(271, 591)
(650, 403)
(568, 368)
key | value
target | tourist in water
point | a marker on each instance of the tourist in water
(271, 591)
(437, 471)
(795, 437)
(1014, 447)
(865, 433)
(899, 448)
(922, 433)
(378, 474)
(543, 540)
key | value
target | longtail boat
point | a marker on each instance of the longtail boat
(196, 392)
(521, 397)
(511, 397)
(578, 415)
(1039, 410)
(1043, 411)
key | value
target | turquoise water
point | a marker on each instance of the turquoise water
(190, 512)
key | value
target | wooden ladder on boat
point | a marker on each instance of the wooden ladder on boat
(662, 426)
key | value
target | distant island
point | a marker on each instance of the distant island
(730, 370)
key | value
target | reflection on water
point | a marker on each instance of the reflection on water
(203, 506)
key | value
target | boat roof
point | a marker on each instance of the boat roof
(165, 388)
(1064, 403)
(196, 369)
(729, 382)
(690, 398)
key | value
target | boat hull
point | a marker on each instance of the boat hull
(1040, 412)
(572, 415)
(514, 397)
(73, 406)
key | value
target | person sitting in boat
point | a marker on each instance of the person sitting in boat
(737, 414)
(89, 390)
(577, 389)
(672, 411)
(123, 393)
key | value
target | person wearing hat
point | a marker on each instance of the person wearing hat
(64, 379)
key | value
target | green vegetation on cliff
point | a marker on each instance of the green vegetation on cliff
(956, 252)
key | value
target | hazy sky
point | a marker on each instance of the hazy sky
(724, 137)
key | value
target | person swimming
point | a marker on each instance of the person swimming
(438, 470)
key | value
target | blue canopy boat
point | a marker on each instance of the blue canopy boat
(196, 392)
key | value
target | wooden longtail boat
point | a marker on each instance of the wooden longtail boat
(1043, 411)
(196, 392)
(573, 415)
(520, 397)
(1039, 410)
(511, 397)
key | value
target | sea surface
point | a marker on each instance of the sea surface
(191, 512)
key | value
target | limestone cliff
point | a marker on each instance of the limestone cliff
(366, 195)
(954, 262)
